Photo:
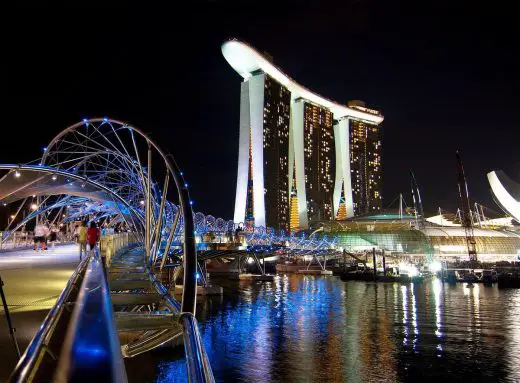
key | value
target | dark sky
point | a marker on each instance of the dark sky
(444, 77)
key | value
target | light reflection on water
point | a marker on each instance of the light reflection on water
(307, 328)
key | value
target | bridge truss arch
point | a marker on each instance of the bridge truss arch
(117, 165)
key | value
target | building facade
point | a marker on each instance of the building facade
(276, 153)
(313, 151)
(334, 151)
(263, 171)
(365, 167)
(506, 193)
(318, 144)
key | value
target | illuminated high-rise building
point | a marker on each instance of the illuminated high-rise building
(263, 165)
(335, 149)
(313, 140)
(365, 167)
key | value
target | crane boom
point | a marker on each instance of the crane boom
(465, 210)
(417, 203)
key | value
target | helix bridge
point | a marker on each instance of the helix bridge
(113, 173)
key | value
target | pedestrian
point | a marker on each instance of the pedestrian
(81, 233)
(53, 236)
(39, 237)
(47, 232)
(93, 236)
(75, 233)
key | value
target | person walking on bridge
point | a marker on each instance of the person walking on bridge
(53, 236)
(39, 237)
(93, 235)
(82, 239)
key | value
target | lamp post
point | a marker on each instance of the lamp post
(8, 318)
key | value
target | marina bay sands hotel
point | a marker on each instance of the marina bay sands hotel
(302, 158)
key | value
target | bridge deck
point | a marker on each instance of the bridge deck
(32, 283)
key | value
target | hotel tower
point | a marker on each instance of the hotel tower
(298, 150)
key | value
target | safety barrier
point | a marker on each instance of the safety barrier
(112, 243)
(197, 362)
(82, 342)
(91, 349)
(18, 239)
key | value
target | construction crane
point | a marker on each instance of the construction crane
(419, 216)
(465, 210)
(417, 203)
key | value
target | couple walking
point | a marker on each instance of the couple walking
(90, 236)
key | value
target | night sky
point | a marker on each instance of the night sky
(445, 78)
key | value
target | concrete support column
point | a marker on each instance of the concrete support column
(243, 155)
(251, 133)
(256, 113)
(343, 176)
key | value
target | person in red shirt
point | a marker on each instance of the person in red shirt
(93, 235)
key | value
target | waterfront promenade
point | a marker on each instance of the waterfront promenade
(32, 283)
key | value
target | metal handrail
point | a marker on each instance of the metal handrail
(32, 356)
(197, 361)
(91, 347)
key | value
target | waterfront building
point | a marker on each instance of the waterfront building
(399, 236)
(365, 165)
(314, 124)
(335, 149)
(506, 193)
(263, 171)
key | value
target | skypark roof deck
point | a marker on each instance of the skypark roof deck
(246, 60)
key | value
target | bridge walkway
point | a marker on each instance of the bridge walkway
(32, 283)
(34, 280)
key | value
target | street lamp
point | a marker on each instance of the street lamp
(34, 206)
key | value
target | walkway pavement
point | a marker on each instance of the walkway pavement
(32, 283)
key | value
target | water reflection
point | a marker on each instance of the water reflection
(512, 315)
(414, 318)
(437, 291)
(305, 328)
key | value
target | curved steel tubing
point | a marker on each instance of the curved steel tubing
(173, 305)
(98, 294)
(197, 362)
(149, 342)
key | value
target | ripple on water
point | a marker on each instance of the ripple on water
(314, 329)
